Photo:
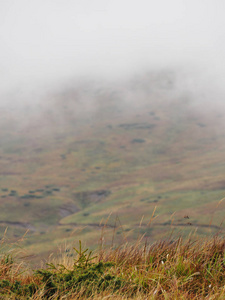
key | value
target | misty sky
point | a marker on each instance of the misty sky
(44, 42)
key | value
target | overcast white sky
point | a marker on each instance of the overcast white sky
(43, 42)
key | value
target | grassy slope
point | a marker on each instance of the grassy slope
(158, 152)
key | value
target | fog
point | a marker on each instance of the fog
(48, 44)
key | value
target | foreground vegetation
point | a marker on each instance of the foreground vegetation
(168, 269)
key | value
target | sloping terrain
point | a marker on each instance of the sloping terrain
(111, 153)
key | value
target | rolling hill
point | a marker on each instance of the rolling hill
(102, 158)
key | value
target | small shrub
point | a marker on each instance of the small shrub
(13, 193)
(86, 214)
(138, 141)
(39, 196)
(48, 192)
(85, 274)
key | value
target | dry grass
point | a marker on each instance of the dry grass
(168, 269)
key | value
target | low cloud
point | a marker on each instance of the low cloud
(48, 44)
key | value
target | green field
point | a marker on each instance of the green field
(111, 155)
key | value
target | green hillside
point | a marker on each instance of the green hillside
(112, 154)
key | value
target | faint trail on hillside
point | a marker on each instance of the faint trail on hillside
(19, 224)
(89, 224)
(183, 225)
(143, 225)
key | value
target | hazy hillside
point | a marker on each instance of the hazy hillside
(118, 149)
